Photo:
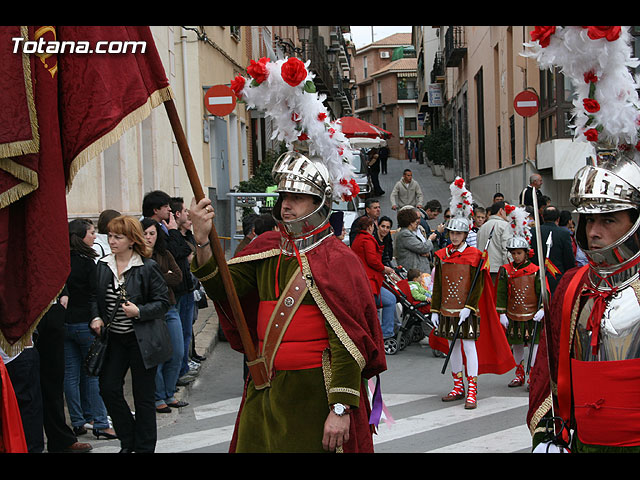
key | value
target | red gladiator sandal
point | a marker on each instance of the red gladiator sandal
(458, 389)
(519, 380)
(471, 401)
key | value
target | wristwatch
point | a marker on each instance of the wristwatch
(339, 409)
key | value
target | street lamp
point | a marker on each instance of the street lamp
(303, 34)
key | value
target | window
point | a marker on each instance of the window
(556, 95)
(235, 33)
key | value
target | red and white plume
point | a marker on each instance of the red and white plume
(597, 61)
(461, 204)
(518, 219)
(285, 92)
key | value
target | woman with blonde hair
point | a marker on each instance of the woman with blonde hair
(130, 302)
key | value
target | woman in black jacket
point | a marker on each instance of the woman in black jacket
(81, 391)
(138, 336)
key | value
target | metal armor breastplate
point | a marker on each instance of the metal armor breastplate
(456, 282)
(619, 328)
(522, 299)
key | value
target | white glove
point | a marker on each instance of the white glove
(539, 315)
(548, 447)
(504, 321)
(464, 314)
(435, 320)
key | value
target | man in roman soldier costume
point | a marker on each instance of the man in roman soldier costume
(319, 339)
(584, 395)
(518, 293)
(460, 299)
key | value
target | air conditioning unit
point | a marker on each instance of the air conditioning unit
(384, 54)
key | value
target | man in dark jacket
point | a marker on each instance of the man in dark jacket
(561, 257)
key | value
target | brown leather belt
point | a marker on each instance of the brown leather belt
(281, 317)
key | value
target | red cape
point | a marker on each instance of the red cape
(546, 364)
(12, 438)
(494, 352)
(358, 316)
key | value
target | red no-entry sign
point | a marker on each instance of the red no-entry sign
(220, 100)
(526, 103)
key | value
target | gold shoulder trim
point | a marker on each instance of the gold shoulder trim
(328, 314)
(256, 256)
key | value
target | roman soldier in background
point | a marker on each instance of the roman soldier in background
(518, 293)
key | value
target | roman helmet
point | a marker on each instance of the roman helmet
(295, 172)
(612, 184)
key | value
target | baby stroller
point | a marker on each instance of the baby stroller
(415, 319)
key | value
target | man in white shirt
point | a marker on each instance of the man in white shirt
(406, 192)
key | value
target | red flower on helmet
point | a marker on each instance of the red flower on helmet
(293, 71)
(509, 208)
(322, 116)
(610, 33)
(237, 85)
(590, 77)
(459, 182)
(353, 186)
(543, 35)
(258, 70)
(591, 105)
(592, 135)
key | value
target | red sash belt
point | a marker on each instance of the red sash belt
(303, 342)
(607, 402)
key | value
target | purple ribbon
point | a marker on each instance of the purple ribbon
(376, 404)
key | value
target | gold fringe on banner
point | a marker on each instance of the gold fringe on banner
(155, 99)
(14, 349)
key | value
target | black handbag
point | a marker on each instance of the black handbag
(98, 349)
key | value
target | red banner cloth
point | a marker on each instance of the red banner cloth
(12, 439)
(58, 111)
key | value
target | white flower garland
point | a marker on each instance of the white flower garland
(597, 61)
(299, 115)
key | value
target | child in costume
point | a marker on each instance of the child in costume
(457, 301)
(518, 293)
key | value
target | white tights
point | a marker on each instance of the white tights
(470, 353)
(518, 353)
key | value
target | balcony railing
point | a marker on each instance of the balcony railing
(455, 46)
(407, 93)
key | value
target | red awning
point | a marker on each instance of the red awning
(354, 127)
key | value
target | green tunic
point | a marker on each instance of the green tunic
(289, 416)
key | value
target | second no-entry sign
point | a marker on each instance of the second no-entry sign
(526, 103)
(220, 100)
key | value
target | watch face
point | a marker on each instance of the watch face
(338, 409)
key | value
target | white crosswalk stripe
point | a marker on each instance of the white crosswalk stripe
(511, 439)
(424, 422)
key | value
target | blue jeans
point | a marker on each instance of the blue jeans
(388, 311)
(168, 372)
(81, 391)
(185, 306)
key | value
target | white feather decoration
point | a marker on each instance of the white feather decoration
(518, 219)
(599, 71)
(299, 115)
(461, 204)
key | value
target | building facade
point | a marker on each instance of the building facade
(479, 70)
(386, 80)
